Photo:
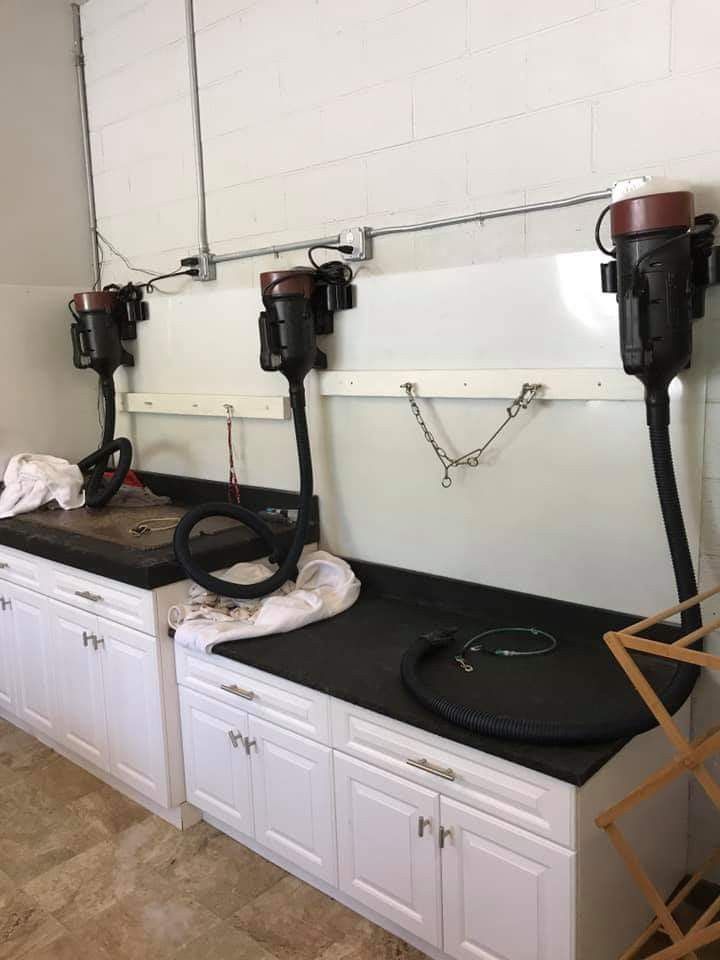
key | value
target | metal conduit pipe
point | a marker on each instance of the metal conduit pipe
(79, 54)
(203, 246)
(373, 232)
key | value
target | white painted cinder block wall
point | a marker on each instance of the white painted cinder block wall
(321, 113)
(44, 243)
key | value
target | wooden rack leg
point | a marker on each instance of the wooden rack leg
(701, 938)
(648, 888)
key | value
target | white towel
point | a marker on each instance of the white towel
(325, 587)
(32, 479)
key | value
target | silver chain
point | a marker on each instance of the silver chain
(472, 459)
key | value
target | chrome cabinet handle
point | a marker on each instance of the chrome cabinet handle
(423, 822)
(445, 834)
(446, 773)
(87, 637)
(3, 565)
(98, 642)
(249, 744)
(236, 738)
(237, 691)
(86, 595)
(5, 604)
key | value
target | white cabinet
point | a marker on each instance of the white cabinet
(217, 765)
(7, 656)
(293, 797)
(136, 729)
(389, 855)
(506, 894)
(81, 724)
(35, 683)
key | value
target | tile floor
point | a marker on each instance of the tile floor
(85, 874)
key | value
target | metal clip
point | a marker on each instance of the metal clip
(467, 667)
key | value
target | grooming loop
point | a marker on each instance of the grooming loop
(690, 757)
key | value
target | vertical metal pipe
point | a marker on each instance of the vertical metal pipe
(203, 246)
(79, 54)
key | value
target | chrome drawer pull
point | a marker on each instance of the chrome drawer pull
(4, 566)
(249, 744)
(237, 691)
(445, 772)
(86, 595)
(445, 834)
(87, 637)
(423, 822)
(236, 738)
(5, 604)
(98, 642)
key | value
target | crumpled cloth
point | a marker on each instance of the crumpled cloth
(34, 479)
(326, 586)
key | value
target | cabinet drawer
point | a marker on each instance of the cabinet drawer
(540, 804)
(261, 694)
(129, 606)
(21, 568)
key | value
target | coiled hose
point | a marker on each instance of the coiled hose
(288, 564)
(98, 492)
(556, 732)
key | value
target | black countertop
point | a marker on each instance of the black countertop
(356, 657)
(137, 565)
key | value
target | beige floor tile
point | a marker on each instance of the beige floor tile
(24, 926)
(153, 922)
(20, 754)
(294, 921)
(81, 888)
(38, 833)
(69, 947)
(370, 942)
(224, 942)
(213, 869)
(64, 781)
(108, 811)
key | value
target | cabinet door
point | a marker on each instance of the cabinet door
(133, 702)
(7, 655)
(386, 860)
(81, 725)
(506, 894)
(293, 798)
(36, 703)
(217, 766)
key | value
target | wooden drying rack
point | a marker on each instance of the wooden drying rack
(690, 757)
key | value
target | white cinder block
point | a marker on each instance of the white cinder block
(246, 210)
(710, 534)
(600, 52)
(703, 176)
(344, 12)
(262, 33)
(474, 90)
(96, 153)
(696, 30)
(163, 128)
(423, 35)
(133, 37)
(367, 121)
(112, 192)
(492, 22)
(529, 151)
(342, 68)
(100, 14)
(328, 193)
(160, 179)
(161, 76)
(657, 121)
(239, 101)
(418, 174)
(711, 468)
(210, 11)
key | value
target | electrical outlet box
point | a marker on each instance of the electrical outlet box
(360, 239)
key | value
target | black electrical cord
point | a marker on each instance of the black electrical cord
(601, 729)
(598, 225)
(288, 564)
(98, 490)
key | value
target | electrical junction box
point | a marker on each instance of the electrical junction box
(360, 239)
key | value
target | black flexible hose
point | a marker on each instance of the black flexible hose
(98, 492)
(557, 732)
(288, 566)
